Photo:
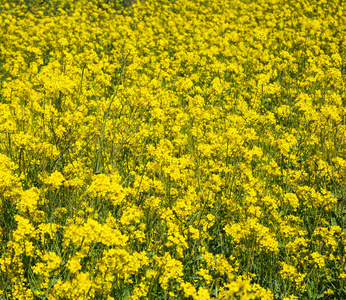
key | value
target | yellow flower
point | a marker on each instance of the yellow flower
(74, 265)
(55, 180)
(318, 259)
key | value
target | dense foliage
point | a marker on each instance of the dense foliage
(172, 149)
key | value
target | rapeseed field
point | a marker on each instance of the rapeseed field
(172, 149)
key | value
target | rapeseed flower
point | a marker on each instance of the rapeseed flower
(152, 149)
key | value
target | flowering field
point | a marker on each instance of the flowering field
(162, 149)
